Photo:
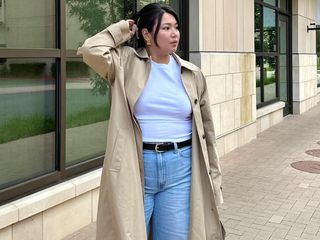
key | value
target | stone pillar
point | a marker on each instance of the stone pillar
(304, 60)
(222, 45)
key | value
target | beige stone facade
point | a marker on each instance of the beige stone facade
(221, 42)
(304, 75)
(53, 213)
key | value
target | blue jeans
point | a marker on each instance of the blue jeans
(167, 177)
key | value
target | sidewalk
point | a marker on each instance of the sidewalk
(265, 197)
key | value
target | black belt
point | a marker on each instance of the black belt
(165, 146)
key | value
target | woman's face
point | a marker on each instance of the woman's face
(168, 36)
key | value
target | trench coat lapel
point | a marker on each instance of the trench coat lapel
(134, 89)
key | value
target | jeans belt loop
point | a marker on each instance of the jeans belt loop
(175, 147)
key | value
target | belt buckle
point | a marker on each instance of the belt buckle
(156, 148)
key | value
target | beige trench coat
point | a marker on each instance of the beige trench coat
(120, 211)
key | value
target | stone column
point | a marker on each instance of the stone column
(222, 45)
(304, 60)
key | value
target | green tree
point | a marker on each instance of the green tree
(94, 16)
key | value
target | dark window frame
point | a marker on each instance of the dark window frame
(61, 54)
(318, 50)
(276, 54)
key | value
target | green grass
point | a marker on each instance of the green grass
(88, 116)
(22, 127)
(267, 81)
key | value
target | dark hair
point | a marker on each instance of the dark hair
(150, 15)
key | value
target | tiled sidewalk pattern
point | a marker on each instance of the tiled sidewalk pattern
(265, 198)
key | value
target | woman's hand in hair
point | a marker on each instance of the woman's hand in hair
(132, 26)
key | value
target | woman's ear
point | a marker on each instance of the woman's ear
(146, 35)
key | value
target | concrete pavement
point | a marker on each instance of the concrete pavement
(265, 197)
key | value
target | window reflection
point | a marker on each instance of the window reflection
(86, 18)
(172, 3)
(88, 109)
(269, 30)
(272, 2)
(257, 33)
(283, 65)
(22, 25)
(27, 119)
(283, 4)
(269, 78)
(258, 80)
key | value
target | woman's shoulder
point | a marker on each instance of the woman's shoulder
(132, 53)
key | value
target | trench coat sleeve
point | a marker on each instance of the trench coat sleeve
(102, 51)
(215, 170)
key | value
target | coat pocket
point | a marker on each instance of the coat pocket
(117, 151)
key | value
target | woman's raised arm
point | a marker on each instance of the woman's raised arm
(102, 51)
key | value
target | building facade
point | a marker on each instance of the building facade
(259, 58)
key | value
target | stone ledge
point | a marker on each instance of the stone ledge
(269, 109)
(8, 215)
(38, 202)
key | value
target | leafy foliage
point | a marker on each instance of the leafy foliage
(23, 127)
(94, 16)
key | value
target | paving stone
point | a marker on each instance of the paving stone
(276, 219)
(265, 198)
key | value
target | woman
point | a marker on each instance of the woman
(161, 169)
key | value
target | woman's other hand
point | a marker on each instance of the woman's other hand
(132, 26)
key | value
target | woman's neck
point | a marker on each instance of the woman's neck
(159, 58)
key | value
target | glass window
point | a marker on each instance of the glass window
(88, 109)
(283, 60)
(258, 80)
(87, 94)
(269, 30)
(271, 2)
(269, 78)
(27, 119)
(318, 56)
(283, 4)
(257, 33)
(86, 18)
(27, 24)
(173, 3)
(30, 153)
(267, 54)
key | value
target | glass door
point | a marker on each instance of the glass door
(284, 86)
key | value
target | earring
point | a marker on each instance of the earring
(148, 42)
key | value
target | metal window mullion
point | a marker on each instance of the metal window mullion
(61, 90)
(263, 53)
(277, 57)
(184, 5)
(262, 79)
(290, 95)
